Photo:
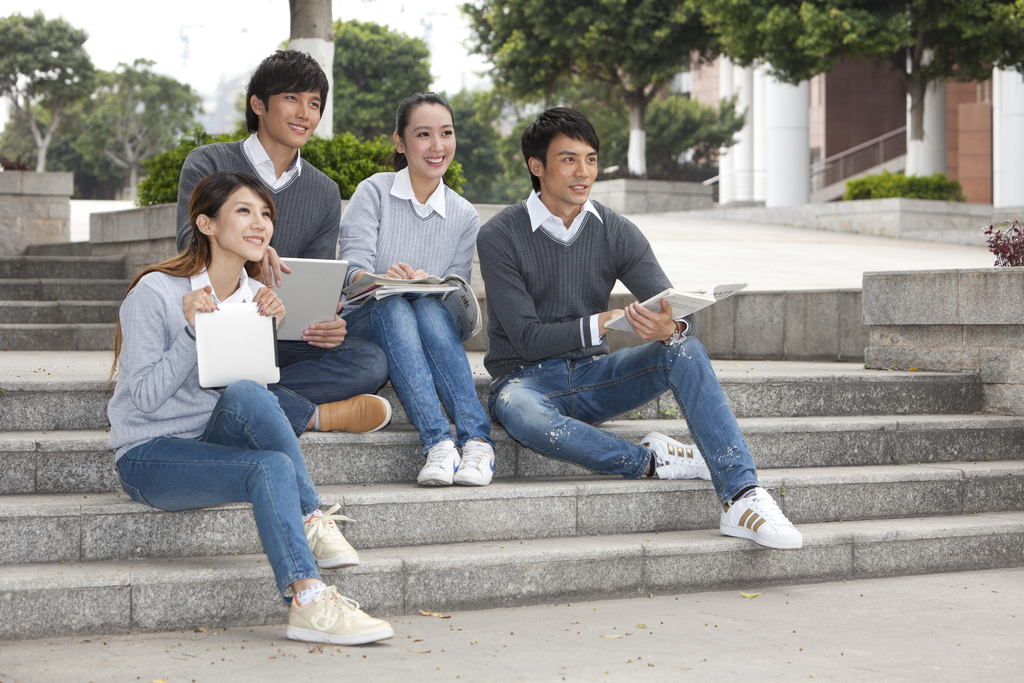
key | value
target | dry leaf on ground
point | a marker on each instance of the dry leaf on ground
(421, 652)
(436, 614)
(751, 595)
(611, 636)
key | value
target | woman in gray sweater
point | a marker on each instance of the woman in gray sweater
(407, 225)
(179, 446)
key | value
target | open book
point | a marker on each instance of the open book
(682, 303)
(456, 295)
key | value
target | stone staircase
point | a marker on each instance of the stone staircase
(58, 303)
(886, 473)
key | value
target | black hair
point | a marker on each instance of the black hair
(397, 159)
(284, 71)
(549, 125)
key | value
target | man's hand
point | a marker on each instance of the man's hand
(603, 318)
(650, 324)
(326, 335)
(272, 268)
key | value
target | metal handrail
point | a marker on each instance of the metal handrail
(902, 130)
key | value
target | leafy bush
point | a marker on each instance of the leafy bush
(344, 159)
(935, 186)
(1007, 245)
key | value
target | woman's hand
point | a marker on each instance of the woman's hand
(268, 303)
(198, 300)
(403, 271)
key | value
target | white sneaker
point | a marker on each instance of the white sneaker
(757, 517)
(675, 460)
(442, 464)
(328, 545)
(333, 618)
(477, 466)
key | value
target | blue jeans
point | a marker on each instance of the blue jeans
(551, 408)
(426, 359)
(248, 454)
(311, 376)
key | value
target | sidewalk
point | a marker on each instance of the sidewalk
(940, 627)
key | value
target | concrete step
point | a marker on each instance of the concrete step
(78, 461)
(76, 267)
(781, 389)
(63, 289)
(109, 526)
(91, 598)
(58, 312)
(57, 337)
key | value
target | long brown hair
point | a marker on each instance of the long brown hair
(207, 198)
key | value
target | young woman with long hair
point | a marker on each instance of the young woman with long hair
(179, 446)
(407, 225)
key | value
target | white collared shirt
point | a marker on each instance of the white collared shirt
(402, 188)
(242, 295)
(541, 217)
(260, 160)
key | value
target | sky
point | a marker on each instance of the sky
(226, 38)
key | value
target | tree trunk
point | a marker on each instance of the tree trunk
(637, 154)
(133, 182)
(312, 31)
(926, 127)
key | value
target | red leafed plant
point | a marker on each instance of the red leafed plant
(1007, 244)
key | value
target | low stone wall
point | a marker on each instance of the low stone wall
(795, 325)
(951, 320)
(633, 195)
(144, 235)
(34, 209)
(911, 219)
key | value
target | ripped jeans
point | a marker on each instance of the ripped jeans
(551, 408)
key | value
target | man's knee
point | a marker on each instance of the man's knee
(520, 410)
(368, 358)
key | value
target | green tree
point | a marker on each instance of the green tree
(923, 40)
(135, 115)
(477, 141)
(374, 70)
(678, 125)
(632, 46)
(42, 63)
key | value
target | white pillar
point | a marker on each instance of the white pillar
(760, 142)
(928, 156)
(323, 52)
(743, 163)
(788, 151)
(726, 188)
(1007, 138)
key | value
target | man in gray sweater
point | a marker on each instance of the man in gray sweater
(327, 380)
(550, 263)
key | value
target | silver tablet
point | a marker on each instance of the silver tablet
(310, 294)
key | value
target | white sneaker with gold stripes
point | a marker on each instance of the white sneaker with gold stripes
(757, 517)
(675, 460)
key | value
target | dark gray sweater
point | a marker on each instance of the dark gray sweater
(308, 218)
(542, 292)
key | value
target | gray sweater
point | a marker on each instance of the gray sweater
(378, 230)
(157, 392)
(541, 292)
(308, 208)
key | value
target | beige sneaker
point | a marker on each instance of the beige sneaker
(329, 547)
(333, 618)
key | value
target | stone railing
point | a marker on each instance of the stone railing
(951, 320)
(34, 209)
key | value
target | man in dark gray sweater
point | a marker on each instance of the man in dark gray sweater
(327, 380)
(550, 263)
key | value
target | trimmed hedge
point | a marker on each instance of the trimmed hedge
(935, 186)
(344, 159)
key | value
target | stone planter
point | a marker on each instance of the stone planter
(35, 208)
(969, 320)
(632, 195)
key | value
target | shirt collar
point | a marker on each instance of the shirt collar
(402, 188)
(539, 213)
(258, 156)
(242, 295)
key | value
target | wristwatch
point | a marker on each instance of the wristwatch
(676, 338)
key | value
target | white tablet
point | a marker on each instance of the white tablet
(310, 294)
(236, 343)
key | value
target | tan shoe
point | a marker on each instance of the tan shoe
(359, 414)
(333, 618)
(326, 542)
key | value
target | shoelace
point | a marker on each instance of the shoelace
(324, 527)
(766, 506)
(474, 454)
(340, 602)
(439, 453)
